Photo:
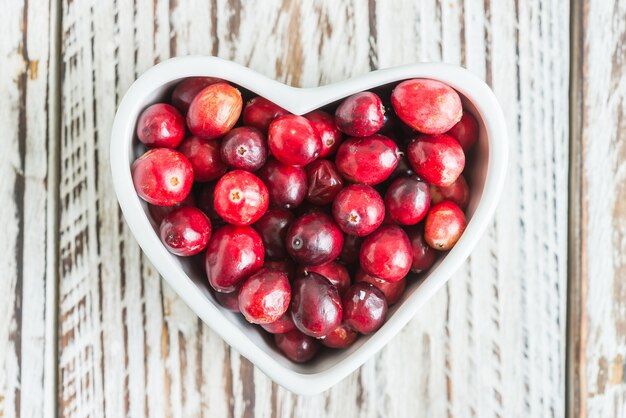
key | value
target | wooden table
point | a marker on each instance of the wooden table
(534, 325)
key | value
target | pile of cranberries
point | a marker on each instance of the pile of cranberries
(309, 224)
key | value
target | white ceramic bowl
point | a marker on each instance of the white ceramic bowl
(486, 176)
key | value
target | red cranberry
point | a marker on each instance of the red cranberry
(296, 346)
(286, 184)
(351, 249)
(162, 177)
(326, 127)
(214, 111)
(314, 239)
(244, 149)
(264, 297)
(281, 325)
(240, 197)
(458, 192)
(315, 305)
(187, 89)
(260, 112)
(392, 290)
(444, 225)
(429, 106)
(233, 254)
(423, 255)
(368, 160)
(361, 114)
(272, 227)
(204, 156)
(364, 307)
(228, 300)
(438, 159)
(341, 337)
(185, 231)
(293, 140)
(407, 200)
(465, 131)
(160, 125)
(386, 253)
(358, 210)
(336, 274)
(402, 169)
(205, 203)
(160, 212)
(324, 182)
(286, 266)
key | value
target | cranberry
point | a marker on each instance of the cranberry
(368, 160)
(315, 305)
(324, 182)
(351, 248)
(341, 337)
(214, 111)
(205, 203)
(244, 149)
(407, 200)
(444, 225)
(296, 346)
(160, 212)
(264, 297)
(233, 254)
(161, 125)
(423, 255)
(365, 308)
(229, 300)
(185, 231)
(286, 266)
(187, 89)
(272, 227)
(281, 325)
(326, 127)
(361, 114)
(204, 156)
(162, 177)
(465, 131)
(336, 274)
(293, 140)
(458, 192)
(358, 210)
(386, 253)
(286, 184)
(402, 169)
(392, 290)
(314, 239)
(438, 159)
(240, 197)
(428, 106)
(260, 112)
(390, 119)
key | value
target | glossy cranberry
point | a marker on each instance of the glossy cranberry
(364, 307)
(402, 169)
(272, 227)
(341, 337)
(407, 200)
(315, 305)
(465, 131)
(214, 111)
(264, 297)
(293, 140)
(368, 160)
(392, 290)
(390, 119)
(358, 210)
(204, 202)
(324, 182)
(185, 231)
(423, 255)
(296, 346)
(361, 114)
(240, 197)
(281, 325)
(228, 300)
(438, 159)
(444, 225)
(160, 212)
(162, 177)
(244, 148)
(386, 253)
(260, 112)
(234, 253)
(286, 266)
(204, 156)
(287, 184)
(351, 249)
(314, 239)
(336, 274)
(161, 125)
(458, 192)
(326, 127)
(428, 106)
(187, 89)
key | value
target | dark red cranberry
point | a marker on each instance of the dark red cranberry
(351, 249)
(161, 125)
(293, 140)
(364, 307)
(286, 184)
(458, 192)
(358, 210)
(185, 231)
(314, 239)
(392, 290)
(368, 160)
(160, 212)
(361, 114)
(296, 346)
(407, 200)
(390, 119)
(308, 207)
(204, 156)
(465, 131)
(204, 202)
(187, 89)
(240, 197)
(260, 112)
(423, 255)
(286, 266)
(162, 177)
(402, 169)
(234, 253)
(386, 253)
(281, 325)
(336, 274)
(324, 182)
(328, 131)
(438, 159)
(228, 300)
(315, 305)
(272, 227)
(444, 225)
(244, 148)
(341, 337)
(214, 111)
(264, 297)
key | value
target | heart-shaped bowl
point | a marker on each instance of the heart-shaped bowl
(486, 176)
